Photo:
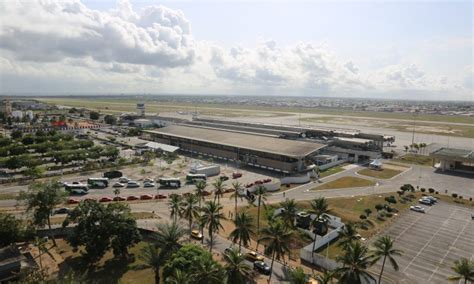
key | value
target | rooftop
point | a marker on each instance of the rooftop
(455, 153)
(290, 148)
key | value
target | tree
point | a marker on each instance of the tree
(41, 198)
(464, 269)
(168, 238)
(16, 134)
(94, 115)
(100, 228)
(243, 229)
(320, 209)
(326, 277)
(289, 212)
(116, 191)
(152, 258)
(179, 277)
(278, 236)
(237, 186)
(348, 235)
(10, 229)
(200, 186)
(261, 193)
(367, 212)
(211, 218)
(174, 205)
(34, 172)
(28, 140)
(189, 209)
(297, 276)
(383, 248)
(236, 269)
(219, 188)
(188, 259)
(208, 271)
(355, 262)
(110, 119)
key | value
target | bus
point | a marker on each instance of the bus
(192, 178)
(170, 182)
(76, 186)
(98, 182)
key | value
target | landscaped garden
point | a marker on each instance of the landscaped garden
(345, 182)
(415, 159)
(384, 173)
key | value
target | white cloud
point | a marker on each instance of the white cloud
(61, 44)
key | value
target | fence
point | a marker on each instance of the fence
(318, 260)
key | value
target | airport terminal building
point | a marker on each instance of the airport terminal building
(450, 159)
(263, 151)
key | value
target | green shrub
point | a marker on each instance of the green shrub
(363, 217)
(454, 195)
(423, 189)
(431, 190)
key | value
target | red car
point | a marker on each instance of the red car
(160, 196)
(146, 197)
(132, 197)
(72, 201)
(105, 199)
(119, 198)
(236, 175)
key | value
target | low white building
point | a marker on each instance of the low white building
(17, 114)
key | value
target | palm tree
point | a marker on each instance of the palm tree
(219, 188)
(261, 193)
(189, 209)
(200, 186)
(320, 210)
(174, 204)
(236, 269)
(289, 211)
(464, 269)
(237, 187)
(243, 229)
(383, 247)
(178, 277)
(211, 218)
(278, 236)
(326, 277)
(348, 234)
(355, 262)
(297, 276)
(152, 258)
(168, 237)
(208, 271)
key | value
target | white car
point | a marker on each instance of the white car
(148, 180)
(123, 179)
(417, 209)
(118, 184)
(148, 184)
(132, 183)
(425, 201)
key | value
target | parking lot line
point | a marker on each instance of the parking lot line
(411, 225)
(431, 239)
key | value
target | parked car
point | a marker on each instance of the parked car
(105, 199)
(262, 267)
(253, 256)
(132, 197)
(78, 192)
(433, 199)
(417, 209)
(236, 175)
(63, 210)
(119, 198)
(118, 184)
(149, 180)
(148, 184)
(224, 178)
(146, 197)
(113, 174)
(425, 201)
(123, 179)
(72, 201)
(196, 234)
(160, 196)
(132, 183)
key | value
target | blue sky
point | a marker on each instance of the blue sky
(393, 45)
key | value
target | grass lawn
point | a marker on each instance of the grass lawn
(382, 174)
(331, 171)
(416, 159)
(7, 196)
(108, 269)
(345, 182)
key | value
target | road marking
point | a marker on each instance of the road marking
(423, 248)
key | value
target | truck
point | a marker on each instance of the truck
(212, 170)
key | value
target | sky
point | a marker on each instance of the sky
(377, 49)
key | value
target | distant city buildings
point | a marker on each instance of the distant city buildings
(141, 109)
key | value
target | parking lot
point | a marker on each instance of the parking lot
(430, 242)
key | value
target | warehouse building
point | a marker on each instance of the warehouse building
(450, 159)
(263, 151)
